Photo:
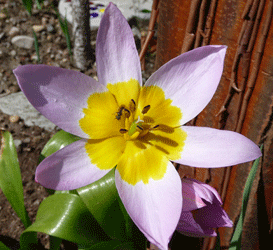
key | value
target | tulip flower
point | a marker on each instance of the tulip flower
(136, 128)
(202, 211)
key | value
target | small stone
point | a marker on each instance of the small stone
(14, 89)
(48, 50)
(34, 57)
(14, 31)
(44, 20)
(38, 28)
(64, 60)
(14, 118)
(2, 34)
(49, 38)
(3, 15)
(24, 42)
(13, 53)
(17, 142)
(136, 32)
(27, 140)
(50, 28)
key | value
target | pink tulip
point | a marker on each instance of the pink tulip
(137, 128)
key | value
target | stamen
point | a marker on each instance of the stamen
(127, 113)
(132, 105)
(146, 109)
(123, 131)
(139, 127)
(119, 113)
(156, 126)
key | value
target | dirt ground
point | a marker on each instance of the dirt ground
(53, 51)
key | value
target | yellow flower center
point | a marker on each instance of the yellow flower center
(135, 128)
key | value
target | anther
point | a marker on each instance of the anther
(156, 126)
(123, 131)
(139, 127)
(146, 109)
(127, 113)
(132, 105)
(119, 113)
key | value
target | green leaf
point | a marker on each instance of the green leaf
(64, 27)
(103, 201)
(67, 36)
(28, 5)
(10, 177)
(65, 216)
(55, 243)
(145, 11)
(57, 142)
(235, 243)
(3, 246)
(101, 198)
(113, 245)
(36, 45)
(39, 3)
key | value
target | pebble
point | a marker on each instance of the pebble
(14, 89)
(34, 57)
(17, 142)
(14, 31)
(136, 32)
(13, 53)
(27, 140)
(14, 118)
(50, 28)
(48, 50)
(49, 38)
(44, 20)
(3, 15)
(24, 42)
(38, 28)
(2, 34)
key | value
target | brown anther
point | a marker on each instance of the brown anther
(139, 127)
(132, 105)
(127, 113)
(119, 113)
(123, 131)
(146, 109)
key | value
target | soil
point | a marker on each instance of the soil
(53, 51)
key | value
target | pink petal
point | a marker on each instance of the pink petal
(199, 219)
(188, 226)
(155, 207)
(116, 54)
(211, 148)
(59, 94)
(191, 198)
(191, 79)
(212, 216)
(196, 192)
(68, 168)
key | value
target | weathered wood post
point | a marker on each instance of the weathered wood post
(81, 33)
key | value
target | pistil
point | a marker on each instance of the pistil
(134, 129)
